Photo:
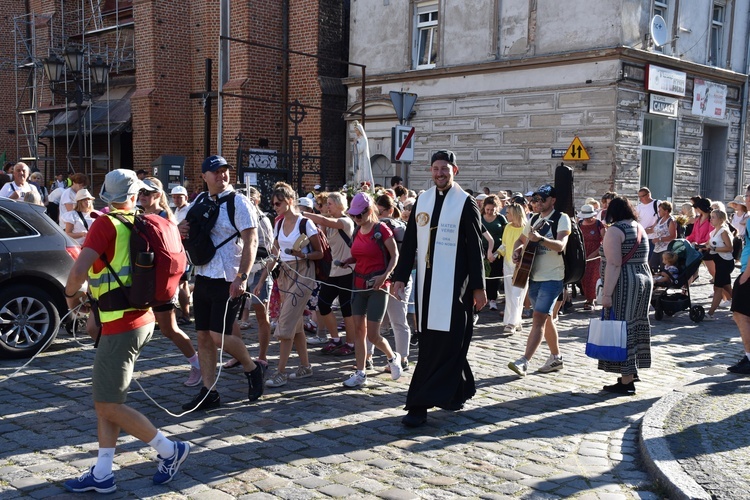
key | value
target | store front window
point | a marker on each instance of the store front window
(657, 155)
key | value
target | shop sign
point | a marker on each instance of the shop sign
(709, 99)
(666, 81)
(663, 105)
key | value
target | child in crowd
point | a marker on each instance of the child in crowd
(670, 272)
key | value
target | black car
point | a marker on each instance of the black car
(35, 258)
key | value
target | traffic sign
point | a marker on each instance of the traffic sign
(403, 102)
(558, 152)
(576, 151)
(402, 145)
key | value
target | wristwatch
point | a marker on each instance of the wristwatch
(242, 276)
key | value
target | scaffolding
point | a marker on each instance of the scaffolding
(101, 30)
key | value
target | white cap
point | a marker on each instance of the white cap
(305, 202)
(179, 190)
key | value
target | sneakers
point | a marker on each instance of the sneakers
(344, 350)
(395, 366)
(194, 378)
(87, 482)
(726, 303)
(509, 329)
(493, 305)
(369, 365)
(310, 326)
(302, 372)
(553, 364)
(405, 367)
(620, 388)
(255, 383)
(742, 367)
(277, 380)
(204, 401)
(331, 346)
(315, 340)
(520, 366)
(168, 467)
(358, 379)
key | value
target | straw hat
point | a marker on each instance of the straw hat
(738, 200)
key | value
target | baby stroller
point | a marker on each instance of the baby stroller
(688, 261)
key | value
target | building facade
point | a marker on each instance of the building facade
(509, 85)
(280, 52)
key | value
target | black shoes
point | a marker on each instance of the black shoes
(742, 367)
(415, 418)
(255, 383)
(620, 388)
(212, 400)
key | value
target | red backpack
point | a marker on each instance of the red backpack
(157, 260)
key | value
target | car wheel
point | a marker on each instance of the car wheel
(28, 321)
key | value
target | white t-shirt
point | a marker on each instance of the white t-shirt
(78, 225)
(68, 196)
(648, 215)
(226, 262)
(180, 213)
(11, 187)
(288, 240)
(548, 264)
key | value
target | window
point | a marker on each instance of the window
(658, 155)
(660, 9)
(12, 227)
(426, 35)
(717, 36)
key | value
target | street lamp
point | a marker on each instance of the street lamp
(58, 69)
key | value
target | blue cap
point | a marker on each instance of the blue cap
(214, 163)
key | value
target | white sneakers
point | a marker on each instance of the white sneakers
(553, 364)
(520, 366)
(358, 379)
(395, 366)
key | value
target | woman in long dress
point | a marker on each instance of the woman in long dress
(627, 291)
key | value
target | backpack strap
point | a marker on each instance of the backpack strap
(125, 222)
(346, 238)
(83, 219)
(656, 207)
(229, 200)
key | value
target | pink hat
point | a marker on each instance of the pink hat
(360, 203)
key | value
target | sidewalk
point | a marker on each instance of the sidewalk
(546, 436)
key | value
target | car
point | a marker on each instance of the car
(35, 259)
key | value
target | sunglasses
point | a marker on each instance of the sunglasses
(278, 203)
(144, 192)
(538, 199)
(358, 216)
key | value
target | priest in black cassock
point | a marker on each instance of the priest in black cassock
(443, 237)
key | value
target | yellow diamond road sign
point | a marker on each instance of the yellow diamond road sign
(576, 151)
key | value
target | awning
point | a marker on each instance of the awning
(104, 116)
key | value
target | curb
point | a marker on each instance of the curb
(657, 456)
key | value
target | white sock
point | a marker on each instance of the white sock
(163, 446)
(194, 361)
(362, 372)
(104, 461)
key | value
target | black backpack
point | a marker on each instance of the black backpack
(574, 255)
(202, 217)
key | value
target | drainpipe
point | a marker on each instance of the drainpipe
(743, 119)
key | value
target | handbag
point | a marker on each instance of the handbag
(607, 339)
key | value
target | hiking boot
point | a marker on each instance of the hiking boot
(204, 401)
(331, 346)
(255, 383)
(194, 378)
(395, 366)
(87, 482)
(358, 379)
(520, 366)
(302, 372)
(742, 367)
(344, 350)
(168, 467)
(553, 364)
(279, 379)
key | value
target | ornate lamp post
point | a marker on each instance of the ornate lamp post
(60, 71)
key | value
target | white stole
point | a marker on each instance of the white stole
(444, 255)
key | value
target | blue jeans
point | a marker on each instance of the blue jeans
(543, 295)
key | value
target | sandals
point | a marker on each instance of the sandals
(245, 325)
(231, 363)
(588, 306)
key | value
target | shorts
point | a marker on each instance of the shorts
(114, 363)
(210, 307)
(741, 297)
(337, 286)
(543, 295)
(723, 274)
(373, 303)
(265, 291)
